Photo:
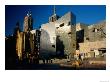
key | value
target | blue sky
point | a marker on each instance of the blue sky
(88, 14)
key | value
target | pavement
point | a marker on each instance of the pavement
(65, 65)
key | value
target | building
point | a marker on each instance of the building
(66, 35)
(35, 43)
(19, 41)
(61, 37)
(28, 41)
(58, 37)
(28, 22)
(94, 40)
(19, 44)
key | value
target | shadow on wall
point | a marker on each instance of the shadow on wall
(79, 38)
(59, 47)
(46, 51)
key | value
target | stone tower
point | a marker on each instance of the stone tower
(28, 22)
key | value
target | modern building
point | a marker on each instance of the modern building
(58, 37)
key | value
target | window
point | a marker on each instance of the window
(69, 33)
(53, 46)
(97, 29)
(93, 30)
(87, 38)
(68, 23)
(52, 19)
(73, 45)
(57, 27)
(61, 25)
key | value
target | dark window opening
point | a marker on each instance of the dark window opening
(73, 45)
(69, 33)
(61, 24)
(53, 46)
(57, 27)
(52, 19)
(97, 29)
(87, 38)
(68, 23)
(58, 36)
(93, 30)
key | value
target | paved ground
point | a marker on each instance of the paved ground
(85, 65)
(89, 64)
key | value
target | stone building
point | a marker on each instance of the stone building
(97, 32)
(66, 35)
(81, 33)
(94, 42)
(90, 47)
(58, 37)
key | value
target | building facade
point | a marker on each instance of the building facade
(58, 36)
(61, 37)
(28, 41)
(94, 40)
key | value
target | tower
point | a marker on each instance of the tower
(54, 17)
(28, 22)
(54, 10)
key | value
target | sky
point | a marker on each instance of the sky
(88, 14)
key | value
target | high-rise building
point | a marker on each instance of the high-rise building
(28, 26)
(23, 44)
(28, 22)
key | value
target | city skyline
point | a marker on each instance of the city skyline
(88, 14)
